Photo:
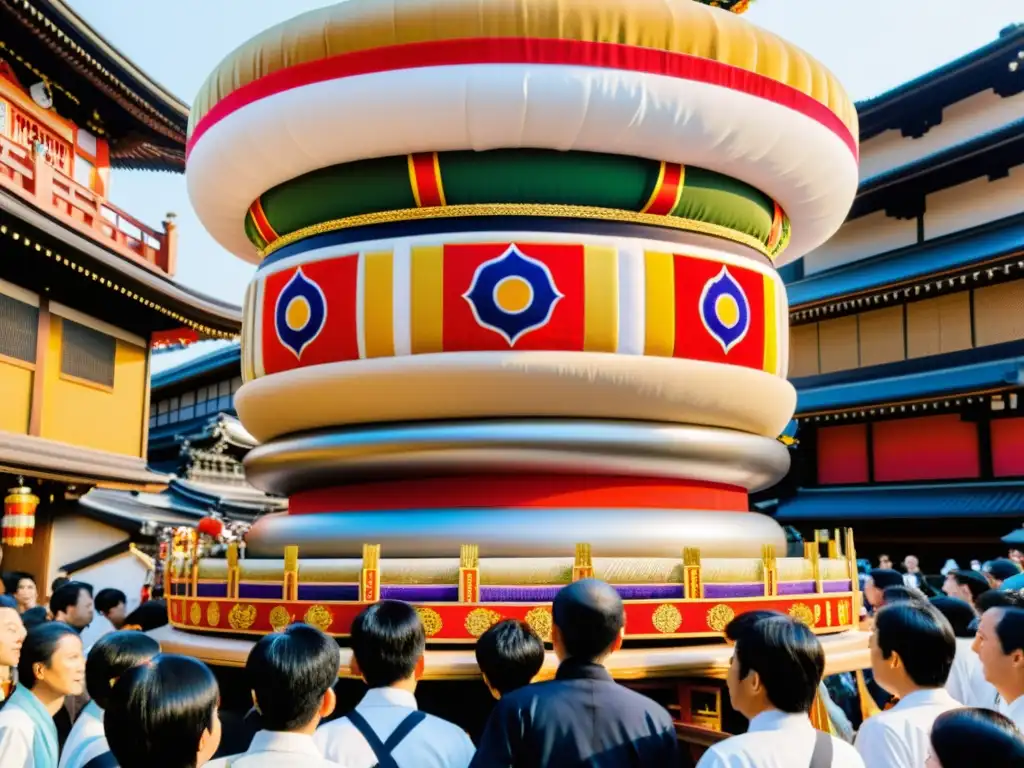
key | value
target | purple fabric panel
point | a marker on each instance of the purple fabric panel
(546, 593)
(211, 590)
(339, 592)
(181, 589)
(260, 590)
(796, 587)
(420, 593)
(836, 586)
(719, 591)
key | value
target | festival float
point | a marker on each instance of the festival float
(517, 321)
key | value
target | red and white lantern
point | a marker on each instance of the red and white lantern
(19, 521)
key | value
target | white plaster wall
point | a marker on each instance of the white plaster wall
(859, 239)
(75, 537)
(123, 572)
(976, 202)
(965, 120)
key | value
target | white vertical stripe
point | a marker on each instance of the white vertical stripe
(361, 304)
(631, 300)
(257, 331)
(401, 298)
(782, 326)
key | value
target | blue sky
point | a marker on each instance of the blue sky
(871, 45)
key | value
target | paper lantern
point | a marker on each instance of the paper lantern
(19, 521)
(211, 526)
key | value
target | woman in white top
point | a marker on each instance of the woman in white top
(51, 667)
(110, 657)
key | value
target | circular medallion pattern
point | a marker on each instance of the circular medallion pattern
(719, 617)
(242, 616)
(431, 620)
(667, 619)
(319, 617)
(195, 614)
(213, 614)
(480, 620)
(279, 618)
(802, 613)
(541, 622)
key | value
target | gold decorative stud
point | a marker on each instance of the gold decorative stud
(480, 620)
(719, 617)
(667, 619)
(242, 616)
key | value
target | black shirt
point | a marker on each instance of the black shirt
(581, 718)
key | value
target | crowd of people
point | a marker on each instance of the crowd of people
(946, 672)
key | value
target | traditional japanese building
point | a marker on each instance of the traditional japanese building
(907, 339)
(86, 289)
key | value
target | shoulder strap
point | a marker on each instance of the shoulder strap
(382, 750)
(822, 755)
(404, 729)
(384, 759)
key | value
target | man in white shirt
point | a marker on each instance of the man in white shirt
(292, 674)
(912, 650)
(776, 668)
(1000, 646)
(388, 642)
(966, 682)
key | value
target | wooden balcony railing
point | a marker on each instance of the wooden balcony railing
(27, 174)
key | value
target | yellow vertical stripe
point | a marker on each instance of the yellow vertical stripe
(660, 305)
(248, 329)
(771, 330)
(378, 302)
(600, 298)
(427, 282)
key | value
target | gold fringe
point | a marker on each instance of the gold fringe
(528, 209)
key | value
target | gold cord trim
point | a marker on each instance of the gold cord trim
(515, 209)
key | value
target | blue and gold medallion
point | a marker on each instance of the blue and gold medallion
(513, 295)
(300, 314)
(724, 310)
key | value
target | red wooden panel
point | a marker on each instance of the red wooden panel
(929, 448)
(843, 454)
(1008, 447)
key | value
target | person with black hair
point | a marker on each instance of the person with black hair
(509, 655)
(22, 587)
(1000, 646)
(51, 666)
(292, 674)
(912, 650)
(164, 713)
(583, 712)
(12, 635)
(966, 681)
(901, 593)
(35, 616)
(999, 570)
(970, 737)
(876, 582)
(108, 616)
(775, 673)
(111, 656)
(966, 585)
(151, 615)
(386, 727)
(72, 604)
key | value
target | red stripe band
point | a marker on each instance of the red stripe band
(667, 191)
(500, 50)
(259, 218)
(552, 491)
(425, 176)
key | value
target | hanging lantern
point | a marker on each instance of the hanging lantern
(211, 526)
(19, 521)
